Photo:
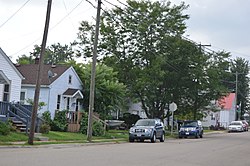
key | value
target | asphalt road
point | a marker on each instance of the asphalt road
(227, 149)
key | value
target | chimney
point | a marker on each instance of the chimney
(37, 60)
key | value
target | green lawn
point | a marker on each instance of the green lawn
(56, 137)
(65, 137)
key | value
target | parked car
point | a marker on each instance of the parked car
(245, 125)
(191, 128)
(236, 126)
(151, 129)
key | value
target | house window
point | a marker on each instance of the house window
(22, 97)
(68, 100)
(58, 102)
(70, 79)
(6, 93)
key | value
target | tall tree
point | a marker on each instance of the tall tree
(143, 43)
(55, 53)
(240, 66)
(23, 59)
(110, 94)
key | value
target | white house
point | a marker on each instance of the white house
(10, 79)
(136, 108)
(61, 87)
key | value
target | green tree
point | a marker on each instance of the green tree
(143, 43)
(54, 54)
(240, 66)
(23, 60)
(109, 92)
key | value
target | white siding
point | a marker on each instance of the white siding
(224, 118)
(58, 87)
(1, 92)
(136, 108)
(11, 73)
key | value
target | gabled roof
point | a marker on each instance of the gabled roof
(10, 63)
(72, 93)
(29, 71)
(227, 102)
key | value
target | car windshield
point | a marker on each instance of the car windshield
(190, 124)
(145, 122)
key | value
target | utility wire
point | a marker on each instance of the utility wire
(67, 14)
(14, 14)
(51, 27)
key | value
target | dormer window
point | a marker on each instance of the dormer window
(70, 79)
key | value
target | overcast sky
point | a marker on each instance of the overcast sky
(225, 24)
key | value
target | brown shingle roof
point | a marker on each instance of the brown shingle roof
(29, 72)
(72, 92)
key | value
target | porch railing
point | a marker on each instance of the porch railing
(19, 112)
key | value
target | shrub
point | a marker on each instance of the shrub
(84, 123)
(130, 119)
(97, 130)
(60, 121)
(4, 128)
(45, 128)
(46, 116)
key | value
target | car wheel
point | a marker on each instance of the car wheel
(162, 139)
(201, 136)
(180, 137)
(196, 135)
(153, 139)
(131, 140)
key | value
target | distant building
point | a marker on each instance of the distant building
(225, 115)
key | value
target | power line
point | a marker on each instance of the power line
(14, 14)
(51, 27)
(67, 14)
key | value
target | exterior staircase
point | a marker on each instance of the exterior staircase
(19, 125)
(20, 115)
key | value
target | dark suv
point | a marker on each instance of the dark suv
(147, 129)
(191, 128)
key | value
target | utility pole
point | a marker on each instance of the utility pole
(39, 73)
(92, 83)
(203, 45)
(236, 92)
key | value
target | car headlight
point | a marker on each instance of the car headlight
(193, 129)
(182, 129)
(131, 130)
(148, 130)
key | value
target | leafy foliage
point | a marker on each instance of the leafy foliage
(60, 121)
(4, 128)
(130, 119)
(46, 116)
(54, 54)
(240, 67)
(97, 130)
(45, 128)
(109, 92)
